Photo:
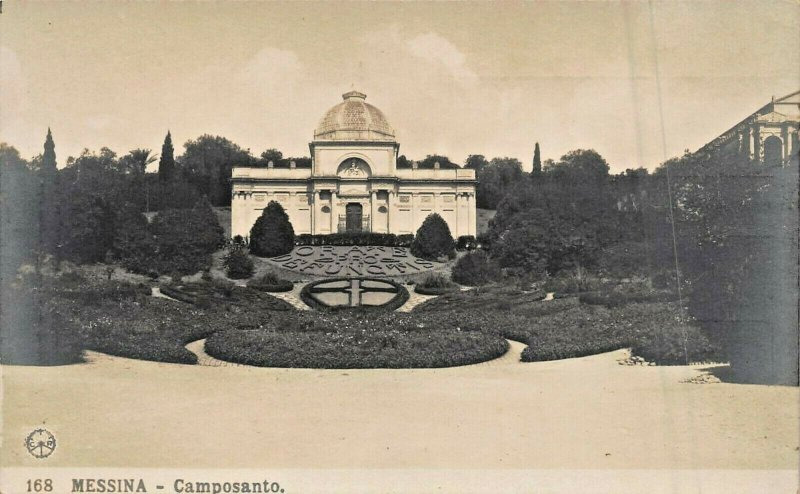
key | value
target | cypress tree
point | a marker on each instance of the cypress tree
(49, 156)
(166, 165)
(537, 161)
(50, 216)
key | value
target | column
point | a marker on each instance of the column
(389, 214)
(786, 135)
(373, 203)
(471, 220)
(314, 212)
(757, 145)
(334, 213)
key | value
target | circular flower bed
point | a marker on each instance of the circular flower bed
(354, 294)
(344, 341)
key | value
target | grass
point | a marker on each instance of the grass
(355, 341)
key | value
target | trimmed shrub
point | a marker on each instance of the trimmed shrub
(475, 269)
(466, 242)
(433, 239)
(435, 284)
(356, 239)
(270, 282)
(238, 265)
(272, 235)
(353, 341)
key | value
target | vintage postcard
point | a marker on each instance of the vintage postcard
(399, 247)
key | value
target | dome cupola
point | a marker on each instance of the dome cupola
(354, 120)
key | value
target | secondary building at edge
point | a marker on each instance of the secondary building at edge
(353, 183)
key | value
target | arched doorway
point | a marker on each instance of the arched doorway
(773, 151)
(354, 214)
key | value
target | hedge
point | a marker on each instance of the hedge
(353, 341)
(356, 239)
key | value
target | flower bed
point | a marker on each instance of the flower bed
(355, 341)
(490, 297)
(208, 294)
(307, 295)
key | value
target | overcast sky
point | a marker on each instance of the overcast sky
(453, 79)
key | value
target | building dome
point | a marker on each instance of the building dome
(354, 120)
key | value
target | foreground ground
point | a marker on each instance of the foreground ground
(585, 413)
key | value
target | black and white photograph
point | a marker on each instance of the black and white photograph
(399, 247)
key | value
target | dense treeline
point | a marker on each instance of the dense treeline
(717, 229)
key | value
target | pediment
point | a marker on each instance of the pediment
(772, 117)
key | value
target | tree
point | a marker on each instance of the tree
(136, 161)
(537, 161)
(433, 239)
(430, 161)
(403, 162)
(49, 156)
(735, 227)
(210, 234)
(207, 163)
(19, 212)
(272, 234)
(133, 243)
(166, 165)
(238, 265)
(271, 154)
(49, 226)
(559, 221)
(495, 179)
(177, 246)
(476, 162)
(475, 269)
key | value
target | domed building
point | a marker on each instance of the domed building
(354, 184)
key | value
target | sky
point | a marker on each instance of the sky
(638, 82)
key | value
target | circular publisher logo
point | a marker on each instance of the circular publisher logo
(40, 443)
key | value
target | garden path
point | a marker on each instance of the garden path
(198, 348)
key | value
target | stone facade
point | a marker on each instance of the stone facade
(768, 136)
(354, 183)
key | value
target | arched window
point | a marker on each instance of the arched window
(773, 151)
